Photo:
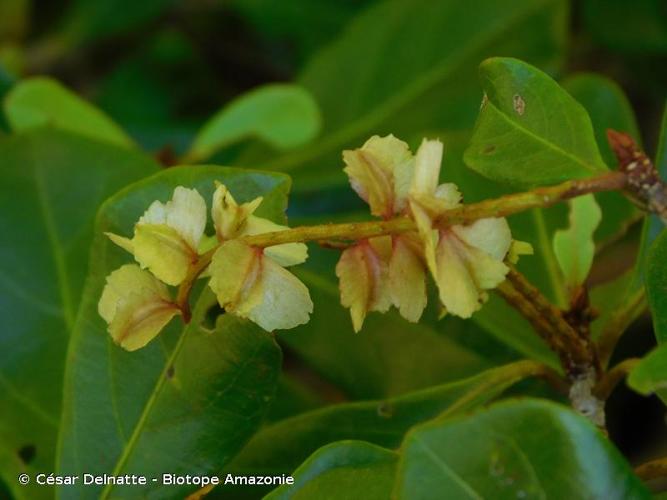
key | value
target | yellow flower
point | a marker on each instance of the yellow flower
(252, 285)
(136, 306)
(232, 220)
(464, 260)
(372, 280)
(167, 236)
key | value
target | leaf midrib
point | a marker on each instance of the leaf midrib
(419, 86)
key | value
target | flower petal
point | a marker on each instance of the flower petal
(458, 290)
(136, 306)
(235, 269)
(228, 216)
(286, 255)
(162, 249)
(407, 279)
(427, 168)
(185, 213)
(371, 171)
(493, 236)
(363, 276)
(121, 241)
(284, 301)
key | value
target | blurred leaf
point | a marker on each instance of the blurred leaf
(14, 17)
(607, 107)
(517, 449)
(41, 101)
(282, 446)
(345, 470)
(370, 81)
(656, 285)
(188, 401)
(650, 375)
(302, 25)
(574, 246)
(52, 184)
(285, 116)
(530, 131)
(85, 21)
(637, 26)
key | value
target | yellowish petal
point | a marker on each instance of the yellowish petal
(235, 269)
(286, 255)
(136, 306)
(517, 249)
(371, 171)
(457, 287)
(427, 168)
(428, 235)
(125, 243)
(185, 213)
(284, 301)
(487, 271)
(363, 279)
(448, 195)
(407, 279)
(492, 236)
(228, 216)
(161, 249)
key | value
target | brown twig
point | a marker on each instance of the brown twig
(610, 379)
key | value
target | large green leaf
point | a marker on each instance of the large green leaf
(656, 285)
(42, 101)
(371, 81)
(518, 449)
(285, 116)
(343, 470)
(189, 400)
(608, 108)
(530, 131)
(52, 185)
(281, 447)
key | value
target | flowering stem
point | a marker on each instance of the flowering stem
(499, 207)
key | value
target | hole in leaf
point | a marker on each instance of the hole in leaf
(208, 322)
(27, 453)
(170, 372)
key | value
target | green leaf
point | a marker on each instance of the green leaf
(188, 401)
(574, 246)
(640, 26)
(285, 116)
(656, 285)
(86, 21)
(530, 131)
(650, 374)
(608, 108)
(281, 447)
(370, 81)
(388, 357)
(52, 183)
(42, 101)
(351, 469)
(517, 449)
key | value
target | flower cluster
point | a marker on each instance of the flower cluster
(168, 243)
(171, 248)
(464, 260)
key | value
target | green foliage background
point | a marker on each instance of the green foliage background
(101, 98)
